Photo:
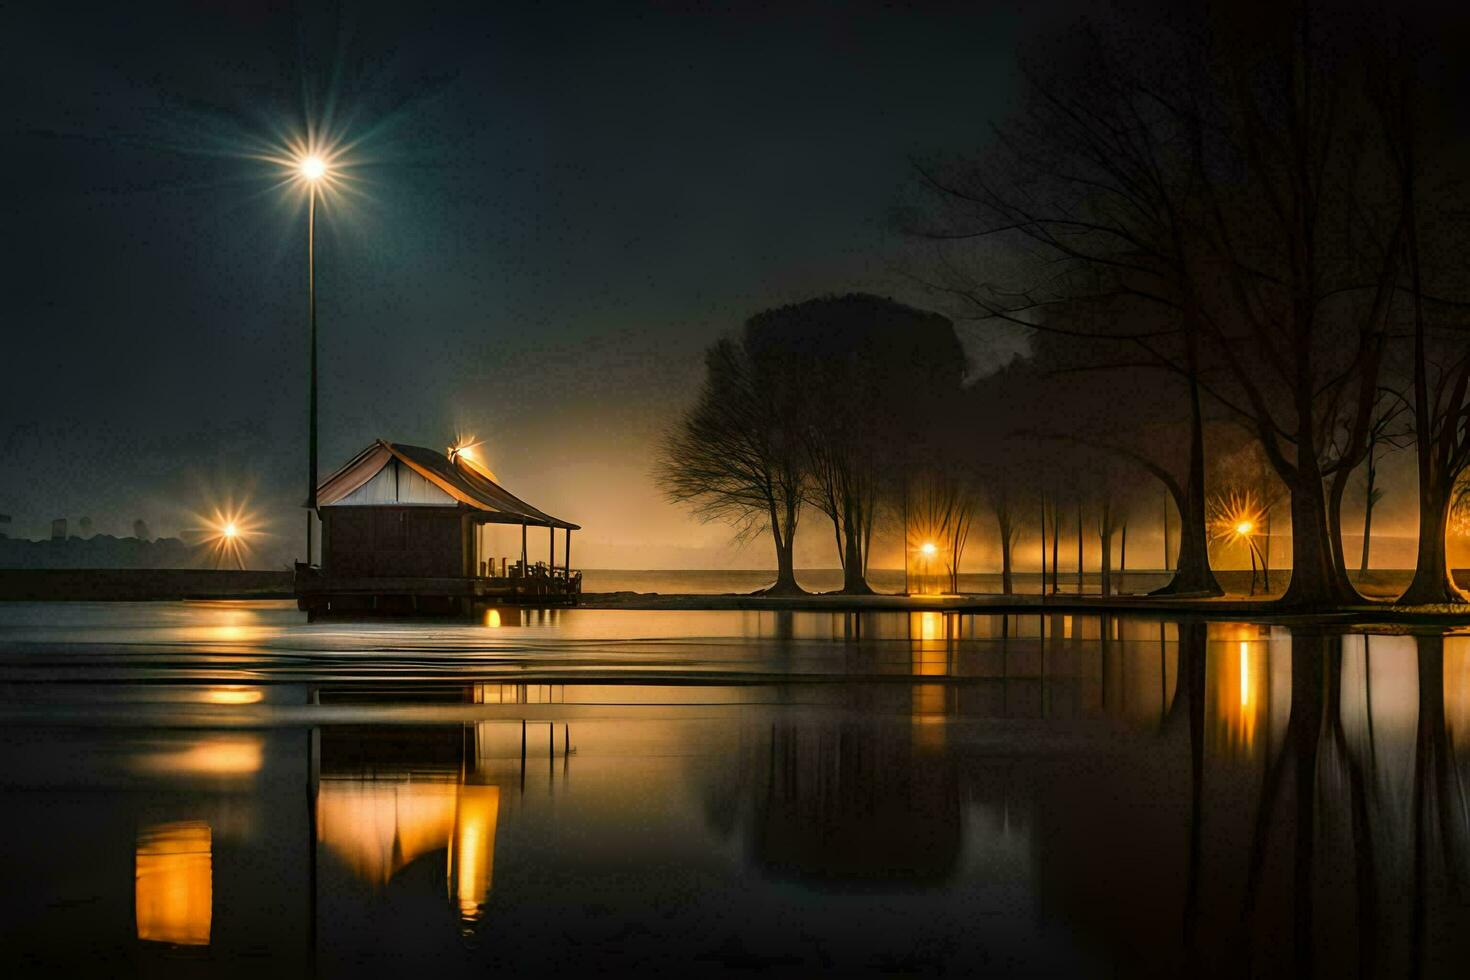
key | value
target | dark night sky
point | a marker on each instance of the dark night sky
(558, 207)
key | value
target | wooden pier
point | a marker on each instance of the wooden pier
(446, 596)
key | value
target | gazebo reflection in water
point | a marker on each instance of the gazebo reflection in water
(388, 797)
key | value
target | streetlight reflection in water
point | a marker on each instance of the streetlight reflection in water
(174, 884)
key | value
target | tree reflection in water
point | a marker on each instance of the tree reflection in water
(841, 803)
(1329, 853)
(1314, 775)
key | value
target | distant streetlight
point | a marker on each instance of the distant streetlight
(228, 535)
(1241, 518)
(1244, 529)
(312, 169)
(927, 551)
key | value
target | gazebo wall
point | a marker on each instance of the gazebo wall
(394, 542)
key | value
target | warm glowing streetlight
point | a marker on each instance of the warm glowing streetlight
(1237, 519)
(927, 551)
(313, 168)
(466, 449)
(228, 533)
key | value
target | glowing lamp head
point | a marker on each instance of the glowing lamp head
(313, 168)
(230, 530)
(928, 549)
(1244, 528)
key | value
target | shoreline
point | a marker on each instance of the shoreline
(1381, 587)
(1166, 607)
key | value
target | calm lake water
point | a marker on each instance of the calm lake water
(217, 789)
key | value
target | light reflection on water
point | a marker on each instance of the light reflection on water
(722, 792)
(174, 890)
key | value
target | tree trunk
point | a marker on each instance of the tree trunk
(1079, 547)
(1315, 578)
(1168, 499)
(785, 573)
(1432, 583)
(1123, 560)
(1192, 573)
(1056, 545)
(865, 526)
(1006, 585)
(853, 580)
(1368, 513)
(1334, 523)
(1041, 590)
(837, 536)
(906, 543)
(785, 583)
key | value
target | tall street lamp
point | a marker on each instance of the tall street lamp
(312, 169)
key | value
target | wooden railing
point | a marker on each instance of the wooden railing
(536, 578)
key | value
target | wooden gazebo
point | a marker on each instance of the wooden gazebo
(403, 531)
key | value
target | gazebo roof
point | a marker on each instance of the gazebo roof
(458, 479)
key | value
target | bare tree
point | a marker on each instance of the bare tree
(1080, 179)
(1430, 159)
(1386, 434)
(1112, 489)
(1000, 493)
(870, 376)
(1223, 170)
(736, 457)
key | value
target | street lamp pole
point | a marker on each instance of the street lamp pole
(311, 299)
(312, 169)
